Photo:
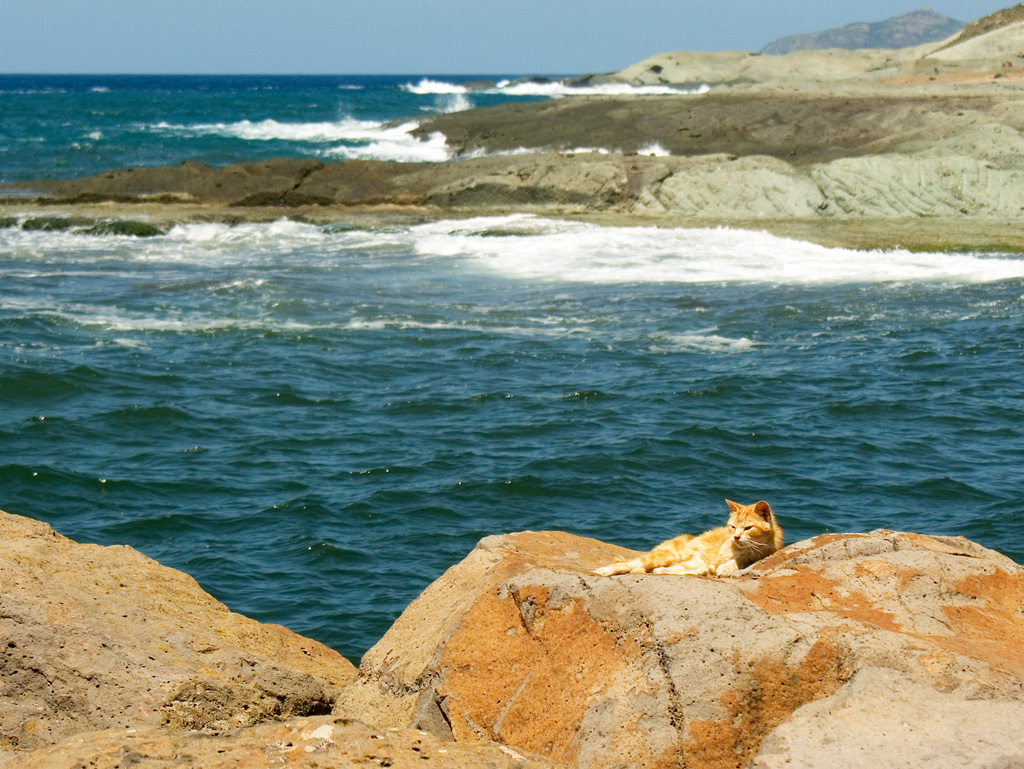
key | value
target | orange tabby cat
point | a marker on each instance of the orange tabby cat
(751, 534)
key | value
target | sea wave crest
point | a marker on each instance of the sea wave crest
(532, 247)
(523, 246)
(551, 88)
(349, 138)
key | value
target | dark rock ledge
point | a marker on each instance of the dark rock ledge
(847, 650)
(877, 166)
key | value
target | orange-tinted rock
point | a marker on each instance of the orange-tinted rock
(522, 644)
(301, 743)
(103, 637)
(946, 602)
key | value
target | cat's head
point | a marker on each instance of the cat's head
(752, 527)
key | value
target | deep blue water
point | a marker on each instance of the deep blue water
(56, 127)
(316, 421)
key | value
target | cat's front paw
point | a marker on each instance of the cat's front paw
(611, 570)
(727, 568)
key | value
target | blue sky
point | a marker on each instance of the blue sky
(405, 36)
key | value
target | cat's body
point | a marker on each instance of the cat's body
(751, 534)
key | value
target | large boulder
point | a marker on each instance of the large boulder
(522, 644)
(105, 638)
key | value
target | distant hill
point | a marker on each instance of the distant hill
(914, 28)
(990, 23)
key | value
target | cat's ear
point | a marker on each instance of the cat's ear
(763, 510)
(733, 507)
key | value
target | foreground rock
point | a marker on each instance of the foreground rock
(301, 743)
(522, 644)
(111, 660)
(105, 638)
(878, 650)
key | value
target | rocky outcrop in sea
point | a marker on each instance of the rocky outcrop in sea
(716, 158)
(853, 650)
(884, 139)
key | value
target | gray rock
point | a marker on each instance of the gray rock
(729, 188)
(884, 720)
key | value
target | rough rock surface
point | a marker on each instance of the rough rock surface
(711, 187)
(522, 644)
(105, 638)
(724, 188)
(800, 128)
(884, 720)
(300, 743)
(880, 157)
(262, 183)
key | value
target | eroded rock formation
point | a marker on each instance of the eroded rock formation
(521, 644)
(520, 656)
(103, 638)
(317, 742)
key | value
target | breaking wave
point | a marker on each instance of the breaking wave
(347, 138)
(539, 248)
(552, 88)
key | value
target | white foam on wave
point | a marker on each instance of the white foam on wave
(426, 86)
(273, 130)
(458, 102)
(705, 340)
(449, 97)
(525, 246)
(553, 89)
(126, 322)
(404, 323)
(202, 242)
(214, 242)
(349, 138)
(653, 149)
(397, 144)
(559, 89)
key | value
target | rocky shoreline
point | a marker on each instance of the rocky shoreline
(847, 650)
(919, 148)
(874, 650)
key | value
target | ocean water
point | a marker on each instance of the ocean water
(316, 421)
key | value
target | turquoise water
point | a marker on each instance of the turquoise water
(316, 421)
